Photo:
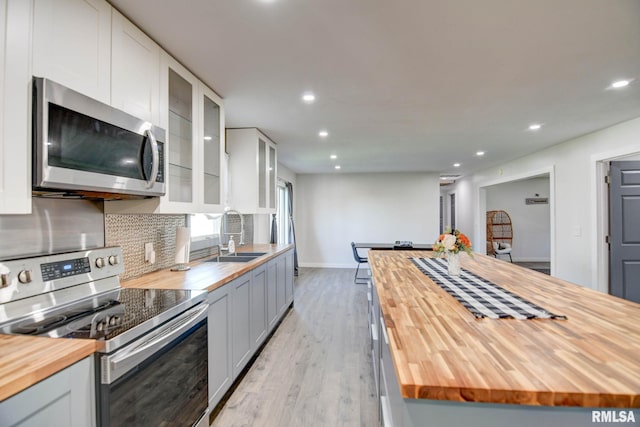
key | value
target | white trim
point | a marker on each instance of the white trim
(480, 205)
(600, 214)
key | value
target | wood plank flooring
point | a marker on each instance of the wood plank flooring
(316, 370)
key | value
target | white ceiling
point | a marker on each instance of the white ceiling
(407, 85)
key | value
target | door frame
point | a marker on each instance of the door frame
(481, 208)
(599, 168)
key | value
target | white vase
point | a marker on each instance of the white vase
(453, 263)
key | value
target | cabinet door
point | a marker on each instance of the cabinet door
(72, 45)
(219, 342)
(258, 307)
(181, 114)
(282, 283)
(135, 86)
(15, 97)
(240, 324)
(272, 291)
(289, 277)
(271, 175)
(65, 399)
(211, 139)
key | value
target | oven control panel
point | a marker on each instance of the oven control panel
(22, 278)
(60, 269)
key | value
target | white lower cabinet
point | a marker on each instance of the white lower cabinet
(242, 314)
(240, 322)
(219, 344)
(390, 400)
(272, 291)
(65, 399)
(281, 299)
(258, 298)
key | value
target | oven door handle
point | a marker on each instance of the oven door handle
(122, 361)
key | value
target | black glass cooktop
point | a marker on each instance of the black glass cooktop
(107, 315)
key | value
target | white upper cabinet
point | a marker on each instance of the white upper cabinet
(213, 158)
(135, 70)
(181, 108)
(15, 106)
(193, 116)
(252, 170)
(72, 45)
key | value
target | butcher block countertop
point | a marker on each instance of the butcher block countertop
(206, 275)
(442, 352)
(24, 360)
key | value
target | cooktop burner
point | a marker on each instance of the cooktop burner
(78, 295)
(104, 316)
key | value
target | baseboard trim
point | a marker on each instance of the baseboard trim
(331, 265)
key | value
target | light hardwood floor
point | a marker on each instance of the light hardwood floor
(316, 370)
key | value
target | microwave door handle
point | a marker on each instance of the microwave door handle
(155, 159)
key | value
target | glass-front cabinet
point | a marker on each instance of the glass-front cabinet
(252, 170)
(193, 116)
(181, 136)
(213, 147)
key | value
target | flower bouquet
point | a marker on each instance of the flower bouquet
(451, 243)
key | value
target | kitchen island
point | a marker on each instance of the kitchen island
(449, 367)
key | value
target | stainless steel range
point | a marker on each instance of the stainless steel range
(153, 367)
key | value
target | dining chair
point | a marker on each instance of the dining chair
(360, 260)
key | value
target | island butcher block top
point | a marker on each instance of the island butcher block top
(441, 351)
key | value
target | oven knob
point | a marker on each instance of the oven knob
(99, 262)
(99, 326)
(113, 259)
(114, 320)
(24, 276)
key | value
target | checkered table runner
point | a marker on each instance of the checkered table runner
(481, 297)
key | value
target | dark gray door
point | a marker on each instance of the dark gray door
(624, 230)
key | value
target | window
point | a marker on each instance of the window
(282, 214)
(205, 230)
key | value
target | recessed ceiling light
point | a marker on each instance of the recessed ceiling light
(333, 157)
(479, 153)
(308, 97)
(323, 134)
(337, 166)
(620, 84)
(535, 126)
(207, 138)
(456, 165)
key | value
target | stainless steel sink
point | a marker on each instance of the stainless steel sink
(256, 254)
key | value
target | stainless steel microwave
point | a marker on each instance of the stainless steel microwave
(85, 147)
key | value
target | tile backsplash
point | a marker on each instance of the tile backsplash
(131, 232)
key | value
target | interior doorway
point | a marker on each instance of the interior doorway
(484, 202)
(526, 201)
(608, 229)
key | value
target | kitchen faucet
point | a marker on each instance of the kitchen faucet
(223, 227)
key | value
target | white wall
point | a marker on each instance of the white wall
(531, 223)
(573, 189)
(332, 210)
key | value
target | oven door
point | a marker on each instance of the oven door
(159, 379)
(83, 144)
